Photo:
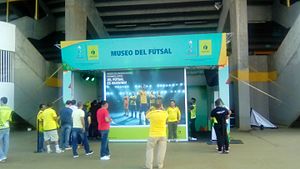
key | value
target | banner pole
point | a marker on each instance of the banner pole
(36, 9)
(7, 10)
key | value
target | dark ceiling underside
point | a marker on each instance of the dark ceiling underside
(129, 18)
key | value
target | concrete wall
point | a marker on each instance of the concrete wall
(7, 34)
(286, 16)
(30, 74)
(259, 100)
(257, 14)
(85, 90)
(287, 62)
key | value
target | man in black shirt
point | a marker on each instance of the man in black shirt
(220, 113)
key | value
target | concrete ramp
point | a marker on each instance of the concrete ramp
(286, 87)
(30, 73)
(36, 29)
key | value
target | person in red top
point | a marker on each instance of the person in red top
(104, 120)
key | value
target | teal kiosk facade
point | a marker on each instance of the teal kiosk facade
(159, 65)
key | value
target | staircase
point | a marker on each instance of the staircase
(31, 69)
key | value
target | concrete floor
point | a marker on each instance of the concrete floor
(267, 149)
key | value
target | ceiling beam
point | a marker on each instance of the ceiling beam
(224, 13)
(55, 2)
(159, 11)
(95, 19)
(212, 26)
(160, 19)
(146, 2)
(154, 33)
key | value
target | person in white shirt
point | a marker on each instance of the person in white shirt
(73, 106)
(78, 130)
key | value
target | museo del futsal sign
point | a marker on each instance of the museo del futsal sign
(145, 52)
(137, 52)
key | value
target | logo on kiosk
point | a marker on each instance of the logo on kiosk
(93, 52)
(205, 47)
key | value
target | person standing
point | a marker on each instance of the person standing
(66, 122)
(220, 113)
(174, 116)
(192, 123)
(132, 105)
(93, 129)
(40, 130)
(50, 125)
(104, 120)
(73, 105)
(126, 105)
(78, 130)
(152, 99)
(143, 103)
(159, 98)
(157, 137)
(5, 118)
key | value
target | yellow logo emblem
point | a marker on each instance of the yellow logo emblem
(93, 52)
(205, 47)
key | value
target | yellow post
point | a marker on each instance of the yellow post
(288, 3)
(36, 9)
(7, 10)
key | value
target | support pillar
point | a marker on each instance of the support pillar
(239, 61)
(75, 20)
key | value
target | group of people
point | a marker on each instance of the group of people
(73, 121)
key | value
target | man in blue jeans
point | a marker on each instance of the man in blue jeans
(78, 131)
(66, 122)
(5, 118)
(104, 120)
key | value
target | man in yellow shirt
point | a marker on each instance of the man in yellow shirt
(143, 103)
(157, 137)
(40, 130)
(174, 115)
(5, 118)
(50, 126)
(152, 99)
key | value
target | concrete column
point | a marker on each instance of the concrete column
(239, 61)
(75, 20)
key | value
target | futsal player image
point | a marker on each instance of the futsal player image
(143, 103)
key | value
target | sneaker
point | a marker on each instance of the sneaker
(49, 151)
(76, 156)
(193, 139)
(226, 151)
(169, 140)
(59, 151)
(220, 152)
(89, 153)
(68, 148)
(105, 158)
(3, 160)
